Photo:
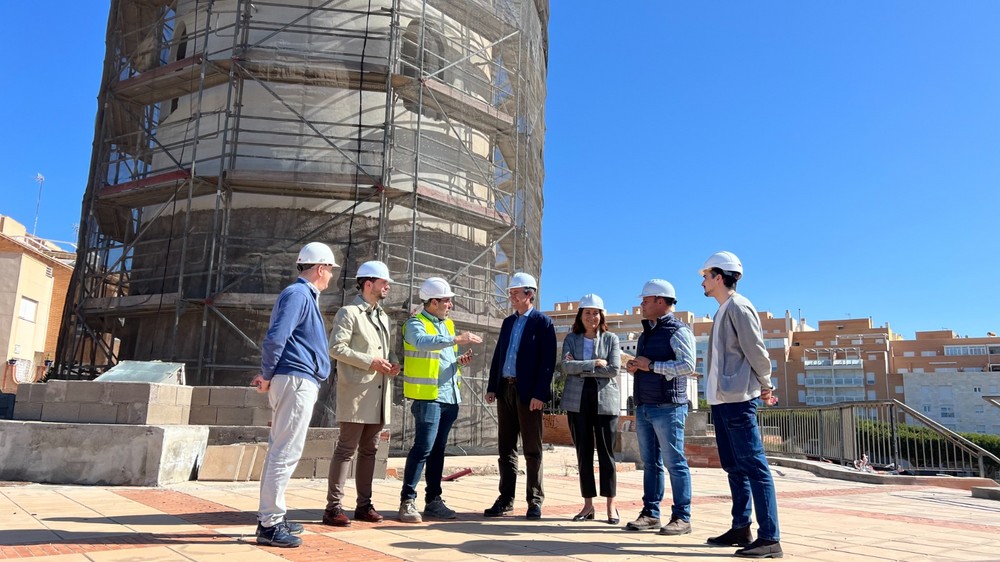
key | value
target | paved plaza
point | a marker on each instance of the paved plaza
(821, 519)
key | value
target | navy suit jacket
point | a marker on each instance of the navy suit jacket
(536, 357)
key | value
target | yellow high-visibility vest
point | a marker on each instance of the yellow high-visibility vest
(421, 368)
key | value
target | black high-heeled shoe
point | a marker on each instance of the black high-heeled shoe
(584, 516)
(616, 519)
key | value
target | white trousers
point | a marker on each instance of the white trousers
(292, 400)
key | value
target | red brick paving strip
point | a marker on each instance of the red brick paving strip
(215, 515)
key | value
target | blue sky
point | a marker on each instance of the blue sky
(848, 152)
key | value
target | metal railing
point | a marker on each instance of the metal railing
(889, 434)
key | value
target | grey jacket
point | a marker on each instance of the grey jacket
(608, 396)
(744, 365)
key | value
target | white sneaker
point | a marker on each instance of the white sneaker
(408, 512)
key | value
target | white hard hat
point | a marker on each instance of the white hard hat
(435, 288)
(316, 252)
(375, 269)
(521, 279)
(726, 261)
(590, 300)
(658, 288)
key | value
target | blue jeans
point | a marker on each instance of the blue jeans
(660, 430)
(434, 421)
(741, 452)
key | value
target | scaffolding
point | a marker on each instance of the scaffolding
(230, 132)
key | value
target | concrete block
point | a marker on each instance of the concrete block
(230, 396)
(84, 391)
(163, 394)
(200, 395)
(322, 468)
(132, 413)
(260, 417)
(61, 412)
(258, 400)
(305, 469)
(248, 461)
(258, 464)
(221, 463)
(95, 412)
(27, 411)
(164, 414)
(98, 454)
(228, 435)
(184, 394)
(203, 415)
(317, 449)
(234, 416)
(24, 392)
(986, 492)
(55, 391)
(130, 392)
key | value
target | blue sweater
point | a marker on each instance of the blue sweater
(296, 343)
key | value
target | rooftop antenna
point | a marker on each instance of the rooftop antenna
(41, 181)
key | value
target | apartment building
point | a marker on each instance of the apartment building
(949, 378)
(841, 361)
(34, 277)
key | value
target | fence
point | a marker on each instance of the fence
(881, 434)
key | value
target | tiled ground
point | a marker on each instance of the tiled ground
(820, 520)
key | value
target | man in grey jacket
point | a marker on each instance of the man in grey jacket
(738, 372)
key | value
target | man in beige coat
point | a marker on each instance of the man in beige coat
(366, 364)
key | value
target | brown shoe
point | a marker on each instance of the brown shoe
(336, 517)
(368, 514)
(676, 527)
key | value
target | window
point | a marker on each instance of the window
(774, 365)
(802, 397)
(904, 371)
(820, 342)
(870, 378)
(871, 395)
(899, 390)
(947, 412)
(980, 408)
(947, 392)
(994, 349)
(857, 342)
(981, 428)
(801, 378)
(28, 309)
(977, 389)
(908, 354)
(926, 408)
(965, 350)
(928, 353)
(918, 369)
(871, 356)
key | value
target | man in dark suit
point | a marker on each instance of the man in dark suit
(520, 382)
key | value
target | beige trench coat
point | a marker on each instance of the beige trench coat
(359, 335)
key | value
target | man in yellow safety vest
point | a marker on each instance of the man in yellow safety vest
(431, 379)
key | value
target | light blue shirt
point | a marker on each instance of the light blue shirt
(417, 336)
(683, 344)
(510, 361)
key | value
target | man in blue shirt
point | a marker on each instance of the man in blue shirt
(521, 383)
(431, 379)
(294, 361)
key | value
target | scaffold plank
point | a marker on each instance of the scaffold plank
(154, 189)
(171, 80)
(458, 105)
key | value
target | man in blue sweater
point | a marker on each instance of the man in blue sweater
(294, 361)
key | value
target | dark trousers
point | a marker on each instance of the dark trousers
(588, 428)
(515, 419)
(363, 439)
